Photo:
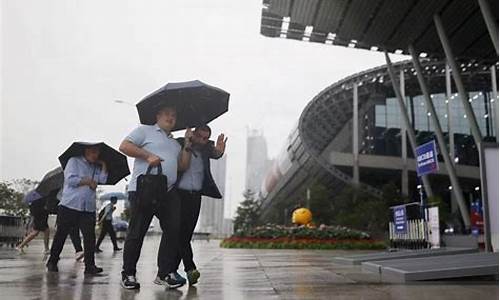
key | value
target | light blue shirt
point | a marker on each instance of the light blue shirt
(192, 178)
(81, 198)
(108, 211)
(154, 140)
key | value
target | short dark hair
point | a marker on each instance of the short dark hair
(204, 127)
(113, 198)
(163, 106)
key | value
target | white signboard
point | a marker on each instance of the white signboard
(433, 226)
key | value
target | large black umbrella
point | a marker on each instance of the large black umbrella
(115, 161)
(196, 103)
(52, 181)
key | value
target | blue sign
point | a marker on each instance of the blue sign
(427, 158)
(400, 219)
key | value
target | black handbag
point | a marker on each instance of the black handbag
(151, 188)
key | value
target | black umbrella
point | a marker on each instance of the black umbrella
(52, 181)
(196, 103)
(115, 161)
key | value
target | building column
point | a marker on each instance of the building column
(406, 119)
(457, 189)
(471, 119)
(491, 24)
(494, 94)
(404, 152)
(355, 134)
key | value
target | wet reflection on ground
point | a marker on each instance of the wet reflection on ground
(226, 274)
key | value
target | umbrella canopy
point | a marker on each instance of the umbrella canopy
(52, 181)
(196, 103)
(118, 195)
(31, 197)
(115, 161)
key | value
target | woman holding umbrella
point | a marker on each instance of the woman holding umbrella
(85, 166)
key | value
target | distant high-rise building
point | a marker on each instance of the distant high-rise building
(257, 161)
(212, 210)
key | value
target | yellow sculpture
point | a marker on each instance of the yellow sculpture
(302, 216)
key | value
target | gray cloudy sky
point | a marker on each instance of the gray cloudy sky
(65, 61)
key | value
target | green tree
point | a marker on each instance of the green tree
(246, 213)
(11, 201)
(321, 205)
(24, 185)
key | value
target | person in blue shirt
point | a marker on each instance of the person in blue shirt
(194, 182)
(153, 145)
(77, 208)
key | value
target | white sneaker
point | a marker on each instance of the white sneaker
(79, 255)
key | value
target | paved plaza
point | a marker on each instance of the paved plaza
(226, 274)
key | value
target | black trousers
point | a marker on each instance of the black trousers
(74, 235)
(190, 211)
(107, 227)
(168, 212)
(67, 220)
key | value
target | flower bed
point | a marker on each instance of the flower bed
(301, 237)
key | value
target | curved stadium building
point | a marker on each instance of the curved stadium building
(329, 131)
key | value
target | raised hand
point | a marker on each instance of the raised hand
(220, 145)
(187, 137)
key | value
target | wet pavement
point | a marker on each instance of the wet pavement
(225, 274)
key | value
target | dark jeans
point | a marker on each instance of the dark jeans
(107, 227)
(67, 220)
(168, 212)
(190, 211)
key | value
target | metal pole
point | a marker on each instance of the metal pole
(490, 22)
(471, 118)
(476, 133)
(404, 154)
(451, 136)
(406, 119)
(440, 139)
(355, 135)
(494, 93)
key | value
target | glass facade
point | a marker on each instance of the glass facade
(381, 131)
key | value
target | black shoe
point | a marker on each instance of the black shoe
(129, 282)
(117, 249)
(97, 250)
(93, 270)
(52, 267)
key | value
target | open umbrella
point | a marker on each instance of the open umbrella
(118, 195)
(31, 197)
(115, 161)
(196, 103)
(52, 181)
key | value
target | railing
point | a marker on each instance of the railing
(201, 236)
(12, 230)
(416, 234)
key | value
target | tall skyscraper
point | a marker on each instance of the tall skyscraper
(257, 161)
(212, 210)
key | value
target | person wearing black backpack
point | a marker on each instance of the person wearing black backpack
(154, 151)
(105, 220)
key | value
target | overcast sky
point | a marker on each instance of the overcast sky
(65, 62)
